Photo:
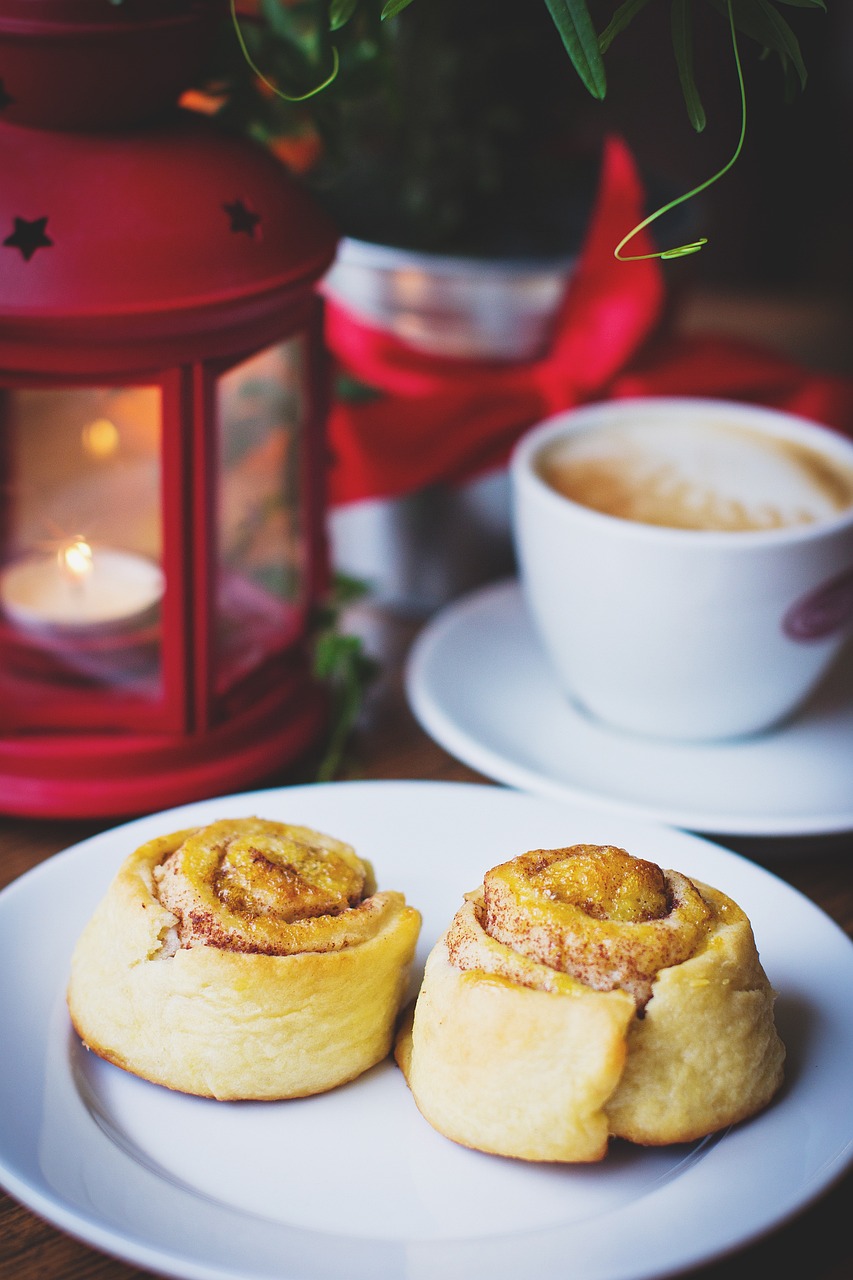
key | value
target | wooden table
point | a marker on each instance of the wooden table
(818, 1245)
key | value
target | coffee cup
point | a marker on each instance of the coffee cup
(687, 563)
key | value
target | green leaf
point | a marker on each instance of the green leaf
(781, 38)
(393, 7)
(353, 390)
(623, 15)
(791, 85)
(573, 21)
(682, 43)
(278, 18)
(285, 46)
(759, 21)
(340, 12)
(340, 661)
(347, 590)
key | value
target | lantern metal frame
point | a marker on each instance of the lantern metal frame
(120, 296)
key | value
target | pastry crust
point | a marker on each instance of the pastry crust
(544, 1047)
(228, 991)
(706, 1054)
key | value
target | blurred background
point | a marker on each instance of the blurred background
(472, 133)
(779, 223)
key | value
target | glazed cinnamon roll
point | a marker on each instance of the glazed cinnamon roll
(581, 994)
(244, 959)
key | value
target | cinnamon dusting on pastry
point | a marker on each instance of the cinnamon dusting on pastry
(261, 887)
(471, 950)
(593, 912)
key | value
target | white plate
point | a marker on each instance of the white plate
(480, 685)
(355, 1181)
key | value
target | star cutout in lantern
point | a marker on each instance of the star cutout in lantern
(28, 236)
(243, 218)
(6, 99)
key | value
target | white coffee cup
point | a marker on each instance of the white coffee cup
(701, 633)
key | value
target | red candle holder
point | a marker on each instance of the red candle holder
(162, 505)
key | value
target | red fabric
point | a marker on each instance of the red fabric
(445, 419)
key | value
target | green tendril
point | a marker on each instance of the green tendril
(288, 97)
(682, 250)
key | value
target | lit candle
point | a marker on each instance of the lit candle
(75, 563)
(80, 588)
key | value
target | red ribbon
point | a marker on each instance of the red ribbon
(446, 419)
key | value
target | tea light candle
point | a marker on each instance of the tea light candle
(79, 588)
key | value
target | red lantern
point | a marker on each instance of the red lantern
(161, 456)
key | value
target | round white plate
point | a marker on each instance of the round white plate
(355, 1180)
(480, 685)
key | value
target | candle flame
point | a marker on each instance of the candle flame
(75, 560)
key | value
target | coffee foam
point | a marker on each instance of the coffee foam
(698, 475)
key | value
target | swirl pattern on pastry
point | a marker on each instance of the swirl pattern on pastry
(582, 994)
(595, 912)
(268, 888)
(244, 959)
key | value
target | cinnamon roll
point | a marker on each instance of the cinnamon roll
(243, 959)
(582, 994)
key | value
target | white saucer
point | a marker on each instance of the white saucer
(480, 685)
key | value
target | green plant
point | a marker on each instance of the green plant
(436, 128)
(758, 20)
(341, 663)
(452, 126)
(428, 123)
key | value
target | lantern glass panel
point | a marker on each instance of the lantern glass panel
(262, 566)
(81, 579)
